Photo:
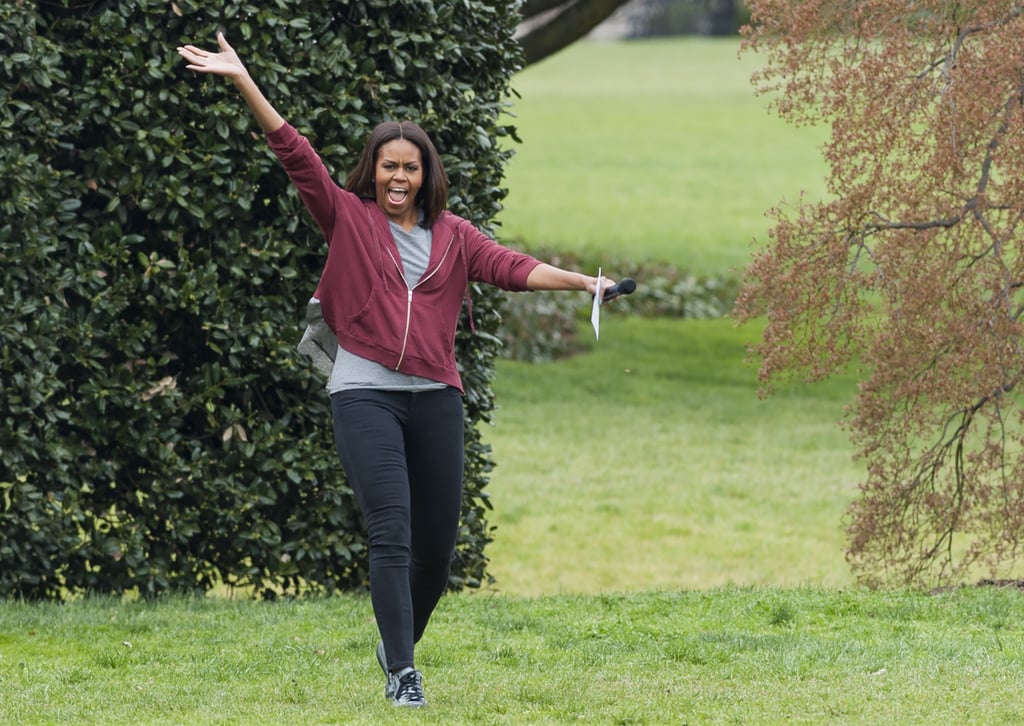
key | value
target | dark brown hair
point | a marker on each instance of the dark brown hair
(433, 195)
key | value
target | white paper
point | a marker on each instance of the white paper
(595, 311)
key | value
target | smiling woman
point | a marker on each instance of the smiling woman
(401, 170)
(383, 321)
(398, 180)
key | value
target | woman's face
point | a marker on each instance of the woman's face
(397, 179)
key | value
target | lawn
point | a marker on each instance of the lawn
(650, 461)
(652, 150)
(719, 656)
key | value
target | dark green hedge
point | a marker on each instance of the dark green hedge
(158, 430)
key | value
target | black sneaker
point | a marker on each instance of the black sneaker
(390, 683)
(408, 689)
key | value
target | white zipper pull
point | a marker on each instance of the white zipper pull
(405, 335)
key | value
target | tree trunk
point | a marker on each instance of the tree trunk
(570, 21)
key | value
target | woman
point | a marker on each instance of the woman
(389, 299)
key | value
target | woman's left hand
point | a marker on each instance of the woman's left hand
(606, 282)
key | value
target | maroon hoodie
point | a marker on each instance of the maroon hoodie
(364, 299)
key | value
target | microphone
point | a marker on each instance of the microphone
(625, 286)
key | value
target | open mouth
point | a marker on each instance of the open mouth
(397, 195)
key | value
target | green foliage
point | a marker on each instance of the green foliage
(158, 430)
(541, 326)
(538, 327)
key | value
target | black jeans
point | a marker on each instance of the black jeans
(403, 455)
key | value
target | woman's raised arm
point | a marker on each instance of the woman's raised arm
(227, 63)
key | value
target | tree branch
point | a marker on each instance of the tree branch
(918, 226)
(574, 20)
(533, 8)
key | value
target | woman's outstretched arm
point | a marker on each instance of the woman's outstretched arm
(549, 277)
(227, 63)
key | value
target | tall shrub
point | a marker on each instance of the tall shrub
(158, 430)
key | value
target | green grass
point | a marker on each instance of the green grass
(652, 150)
(724, 656)
(650, 462)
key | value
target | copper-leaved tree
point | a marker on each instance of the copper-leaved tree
(911, 268)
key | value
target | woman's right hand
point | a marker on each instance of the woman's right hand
(225, 63)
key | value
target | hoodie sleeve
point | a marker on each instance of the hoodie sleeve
(317, 188)
(494, 264)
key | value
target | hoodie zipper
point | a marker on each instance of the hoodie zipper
(408, 299)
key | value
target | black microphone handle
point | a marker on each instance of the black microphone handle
(625, 286)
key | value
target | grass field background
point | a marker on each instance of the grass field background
(650, 462)
(722, 656)
(653, 150)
